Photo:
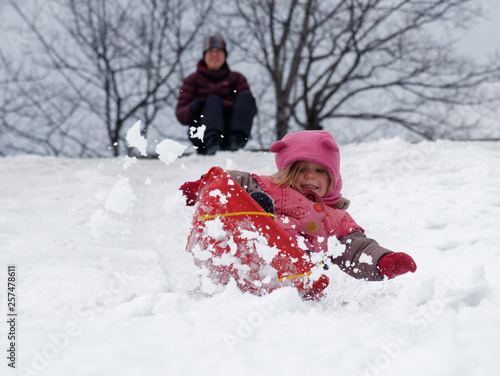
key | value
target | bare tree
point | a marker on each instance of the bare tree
(371, 60)
(32, 120)
(107, 62)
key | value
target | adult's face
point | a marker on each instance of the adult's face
(214, 58)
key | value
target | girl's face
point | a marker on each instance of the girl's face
(312, 178)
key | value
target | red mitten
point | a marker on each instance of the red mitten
(395, 264)
(190, 191)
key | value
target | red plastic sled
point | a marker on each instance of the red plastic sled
(232, 237)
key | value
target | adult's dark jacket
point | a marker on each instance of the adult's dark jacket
(225, 83)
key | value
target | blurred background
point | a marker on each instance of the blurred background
(76, 75)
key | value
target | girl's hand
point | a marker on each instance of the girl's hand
(190, 191)
(394, 264)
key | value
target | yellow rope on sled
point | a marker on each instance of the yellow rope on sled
(299, 275)
(294, 276)
(212, 216)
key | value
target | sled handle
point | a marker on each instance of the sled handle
(299, 275)
(294, 276)
(212, 216)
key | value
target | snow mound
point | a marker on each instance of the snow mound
(102, 270)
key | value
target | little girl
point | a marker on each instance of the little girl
(309, 206)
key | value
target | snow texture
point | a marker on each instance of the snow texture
(105, 287)
(135, 139)
(169, 150)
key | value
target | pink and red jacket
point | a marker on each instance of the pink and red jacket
(312, 221)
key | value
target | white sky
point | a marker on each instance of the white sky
(482, 39)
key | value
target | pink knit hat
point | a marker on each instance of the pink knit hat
(311, 146)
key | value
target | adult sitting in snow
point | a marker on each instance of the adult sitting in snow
(216, 102)
(309, 206)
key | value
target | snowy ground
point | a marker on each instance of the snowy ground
(103, 282)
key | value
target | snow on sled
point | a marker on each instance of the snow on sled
(232, 237)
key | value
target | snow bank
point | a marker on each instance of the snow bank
(105, 286)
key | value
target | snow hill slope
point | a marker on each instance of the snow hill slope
(104, 286)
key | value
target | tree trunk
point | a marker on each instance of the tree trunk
(282, 119)
(313, 121)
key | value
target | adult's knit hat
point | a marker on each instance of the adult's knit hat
(311, 146)
(214, 41)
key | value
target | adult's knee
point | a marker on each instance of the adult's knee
(245, 99)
